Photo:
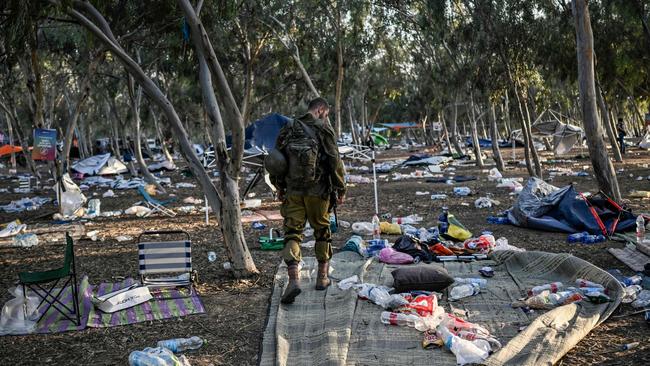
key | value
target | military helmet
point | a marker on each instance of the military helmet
(275, 163)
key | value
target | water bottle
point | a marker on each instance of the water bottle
(591, 239)
(462, 291)
(443, 222)
(410, 219)
(181, 344)
(634, 280)
(409, 229)
(462, 191)
(390, 318)
(482, 282)
(640, 229)
(152, 357)
(438, 197)
(584, 283)
(258, 225)
(552, 287)
(577, 238)
(498, 220)
(212, 256)
(376, 230)
(630, 293)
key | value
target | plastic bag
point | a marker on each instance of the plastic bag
(19, 314)
(362, 228)
(139, 211)
(158, 356)
(391, 256)
(494, 175)
(390, 229)
(642, 299)
(379, 295)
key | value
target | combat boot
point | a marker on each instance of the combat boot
(293, 288)
(322, 281)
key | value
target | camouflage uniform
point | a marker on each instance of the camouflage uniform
(311, 203)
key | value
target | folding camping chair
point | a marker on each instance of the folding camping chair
(355, 152)
(155, 205)
(166, 257)
(36, 281)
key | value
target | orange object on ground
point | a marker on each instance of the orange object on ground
(440, 249)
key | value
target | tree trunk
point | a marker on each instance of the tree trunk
(339, 74)
(611, 135)
(10, 131)
(505, 111)
(533, 151)
(160, 137)
(603, 168)
(528, 144)
(454, 130)
(24, 143)
(495, 140)
(475, 144)
(136, 97)
(441, 117)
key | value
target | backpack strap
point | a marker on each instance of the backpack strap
(308, 130)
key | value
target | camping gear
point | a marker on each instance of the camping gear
(275, 163)
(391, 256)
(270, 242)
(103, 164)
(36, 280)
(158, 356)
(165, 257)
(411, 246)
(155, 205)
(456, 230)
(429, 277)
(545, 207)
(122, 299)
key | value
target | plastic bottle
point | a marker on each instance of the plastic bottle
(580, 282)
(465, 351)
(390, 318)
(212, 256)
(634, 280)
(152, 357)
(462, 291)
(25, 240)
(482, 282)
(498, 220)
(552, 287)
(630, 293)
(577, 237)
(443, 222)
(591, 239)
(438, 197)
(177, 345)
(409, 229)
(640, 229)
(376, 230)
(462, 191)
(410, 219)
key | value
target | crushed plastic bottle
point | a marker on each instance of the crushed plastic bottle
(443, 222)
(640, 229)
(462, 191)
(410, 219)
(482, 282)
(498, 220)
(440, 196)
(630, 293)
(178, 345)
(580, 282)
(465, 351)
(551, 287)
(642, 299)
(585, 238)
(462, 291)
(212, 256)
(634, 280)
(158, 356)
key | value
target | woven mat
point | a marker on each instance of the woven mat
(333, 327)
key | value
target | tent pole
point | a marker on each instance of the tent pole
(374, 180)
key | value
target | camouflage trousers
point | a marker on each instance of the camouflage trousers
(296, 210)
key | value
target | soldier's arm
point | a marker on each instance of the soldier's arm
(334, 165)
(280, 142)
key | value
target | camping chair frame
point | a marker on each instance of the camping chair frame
(608, 232)
(174, 257)
(358, 152)
(36, 281)
(155, 205)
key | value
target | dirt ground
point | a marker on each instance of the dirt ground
(236, 309)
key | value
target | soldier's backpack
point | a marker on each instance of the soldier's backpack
(302, 151)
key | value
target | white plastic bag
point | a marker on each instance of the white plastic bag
(494, 175)
(19, 314)
(362, 228)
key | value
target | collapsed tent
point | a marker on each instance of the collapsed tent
(545, 207)
(103, 164)
(548, 124)
(426, 159)
(262, 133)
(8, 149)
(485, 143)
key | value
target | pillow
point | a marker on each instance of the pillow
(428, 277)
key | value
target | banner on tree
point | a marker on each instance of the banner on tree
(44, 144)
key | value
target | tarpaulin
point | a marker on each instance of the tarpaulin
(103, 164)
(545, 207)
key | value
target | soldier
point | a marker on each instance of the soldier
(306, 168)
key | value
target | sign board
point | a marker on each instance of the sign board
(647, 119)
(44, 144)
(436, 126)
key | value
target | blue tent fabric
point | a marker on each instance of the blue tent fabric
(488, 143)
(263, 133)
(542, 206)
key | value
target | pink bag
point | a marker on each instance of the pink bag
(391, 256)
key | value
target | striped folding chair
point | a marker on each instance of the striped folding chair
(165, 263)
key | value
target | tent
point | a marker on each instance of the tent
(400, 125)
(485, 143)
(545, 207)
(378, 139)
(549, 124)
(103, 164)
(8, 149)
(262, 133)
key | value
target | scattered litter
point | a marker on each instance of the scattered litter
(362, 228)
(347, 283)
(186, 209)
(122, 238)
(439, 196)
(192, 200)
(462, 191)
(185, 185)
(139, 211)
(25, 240)
(418, 193)
(92, 235)
(351, 178)
(252, 203)
(494, 175)
(108, 193)
(344, 224)
(486, 271)
(156, 356)
(25, 204)
(258, 225)
(502, 244)
(485, 202)
(640, 194)
(12, 228)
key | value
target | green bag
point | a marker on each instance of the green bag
(302, 152)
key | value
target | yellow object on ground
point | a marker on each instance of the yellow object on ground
(390, 229)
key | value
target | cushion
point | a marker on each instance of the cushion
(428, 277)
